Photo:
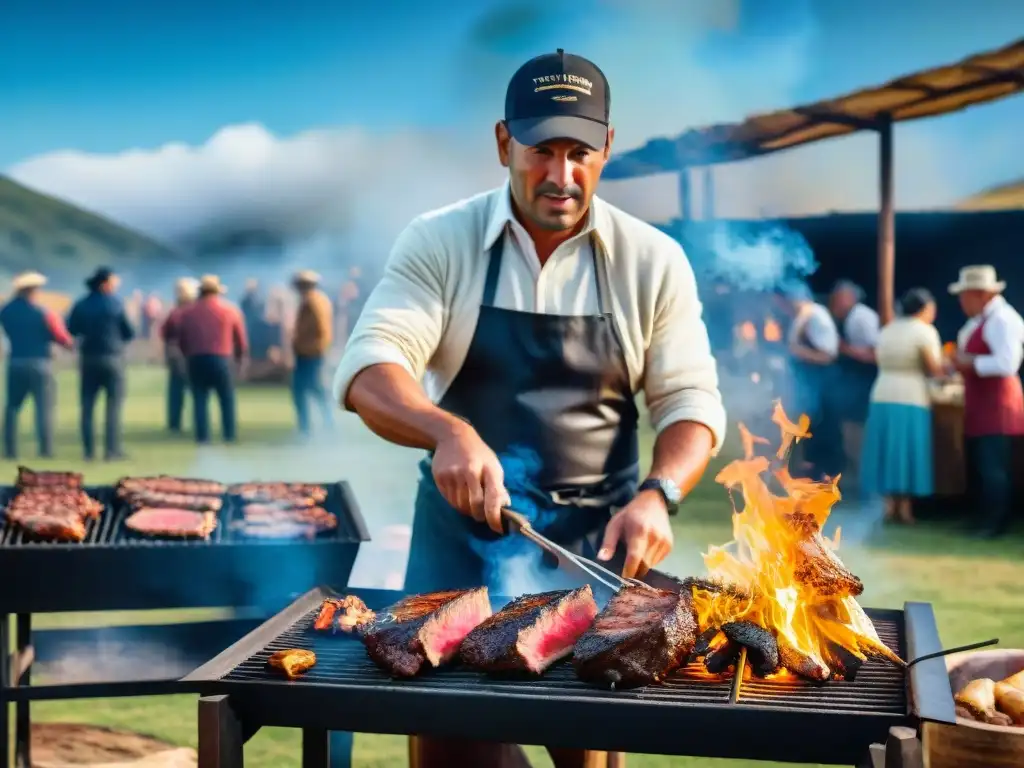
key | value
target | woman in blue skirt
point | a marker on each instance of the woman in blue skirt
(897, 454)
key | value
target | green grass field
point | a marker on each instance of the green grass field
(974, 586)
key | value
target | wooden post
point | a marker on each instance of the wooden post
(685, 198)
(886, 223)
(708, 193)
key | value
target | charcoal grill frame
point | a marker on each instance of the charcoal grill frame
(230, 711)
(115, 570)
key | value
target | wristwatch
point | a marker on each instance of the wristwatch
(669, 491)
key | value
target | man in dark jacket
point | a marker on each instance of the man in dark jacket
(99, 322)
(31, 330)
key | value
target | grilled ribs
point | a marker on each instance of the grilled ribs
(424, 628)
(30, 478)
(165, 484)
(640, 637)
(191, 501)
(168, 522)
(531, 633)
(294, 493)
(344, 614)
(51, 512)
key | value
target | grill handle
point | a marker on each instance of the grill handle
(951, 651)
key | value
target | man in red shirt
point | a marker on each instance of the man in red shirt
(210, 333)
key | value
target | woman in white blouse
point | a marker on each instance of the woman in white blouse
(897, 455)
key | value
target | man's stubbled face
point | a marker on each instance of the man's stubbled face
(552, 183)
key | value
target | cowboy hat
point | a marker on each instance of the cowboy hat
(27, 280)
(186, 287)
(211, 284)
(306, 277)
(979, 277)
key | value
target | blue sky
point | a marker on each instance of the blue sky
(110, 76)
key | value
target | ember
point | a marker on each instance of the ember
(778, 589)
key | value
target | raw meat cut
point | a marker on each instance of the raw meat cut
(531, 633)
(424, 628)
(172, 523)
(640, 637)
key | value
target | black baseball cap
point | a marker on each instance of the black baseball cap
(558, 96)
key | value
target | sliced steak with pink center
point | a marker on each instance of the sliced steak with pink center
(640, 637)
(424, 628)
(531, 633)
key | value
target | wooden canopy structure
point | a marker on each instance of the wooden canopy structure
(977, 79)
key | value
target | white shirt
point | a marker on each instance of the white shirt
(861, 326)
(814, 326)
(1004, 334)
(423, 313)
(900, 352)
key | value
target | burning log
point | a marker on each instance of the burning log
(722, 655)
(762, 647)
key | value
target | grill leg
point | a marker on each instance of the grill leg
(22, 712)
(316, 748)
(221, 735)
(5, 665)
(341, 749)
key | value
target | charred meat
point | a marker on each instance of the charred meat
(48, 526)
(52, 498)
(343, 614)
(172, 523)
(641, 637)
(531, 633)
(53, 513)
(424, 628)
(271, 492)
(762, 647)
(127, 486)
(30, 478)
(292, 661)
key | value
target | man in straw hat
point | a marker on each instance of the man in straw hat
(99, 322)
(314, 325)
(31, 330)
(185, 291)
(990, 349)
(210, 333)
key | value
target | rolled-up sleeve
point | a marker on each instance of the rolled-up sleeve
(680, 374)
(403, 318)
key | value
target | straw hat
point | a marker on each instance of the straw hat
(27, 280)
(306, 277)
(211, 284)
(979, 277)
(186, 288)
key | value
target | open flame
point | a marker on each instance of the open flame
(780, 573)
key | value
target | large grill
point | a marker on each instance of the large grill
(692, 713)
(115, 569)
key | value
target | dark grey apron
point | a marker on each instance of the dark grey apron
(551, 395)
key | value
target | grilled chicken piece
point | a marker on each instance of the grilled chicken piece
(192, 501)
(979, 698)
(29, 478)
(169, 522)
(531, 633)
(1010, 701)
(424, 629)
(1017, 681)
(166, 484)
(344, 614)
(641, 636)
(293, 661)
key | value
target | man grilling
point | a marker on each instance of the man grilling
(31, 331)
(990, 350)
(99, 322)
(532, 314)
(185, 290)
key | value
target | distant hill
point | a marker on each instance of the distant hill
(1004, 196)
(65, 242)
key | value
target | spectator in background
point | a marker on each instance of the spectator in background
(813, 347)
(310, 341)
(896, 462)
(186, 290)
(99, 322)
(30, 330)
(850, 391)
(210, 333)
(254, 312)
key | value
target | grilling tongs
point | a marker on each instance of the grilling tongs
(592, 570)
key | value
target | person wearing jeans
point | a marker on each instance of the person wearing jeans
(310, 341)
(177, 372)
(211, 335)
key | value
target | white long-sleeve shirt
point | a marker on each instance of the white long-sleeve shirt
(423, 313)
(814, 327)
(1004, 334)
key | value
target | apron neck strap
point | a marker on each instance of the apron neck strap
(496, 253)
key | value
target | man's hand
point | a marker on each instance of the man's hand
(964, 363)
(469, 476)
(643, 526)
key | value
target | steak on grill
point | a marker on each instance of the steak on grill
(29, 478)
(531, 633)
(165, 499)
(166, 484)
(169, 522)
(56, 500)
(62, 525)
(424, 628)
(304, 494)
(640, 637)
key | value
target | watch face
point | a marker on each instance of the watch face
(671, 491)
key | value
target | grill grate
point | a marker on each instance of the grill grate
(109, 528)
(879, 688)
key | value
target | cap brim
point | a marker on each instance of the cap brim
(533, 131)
